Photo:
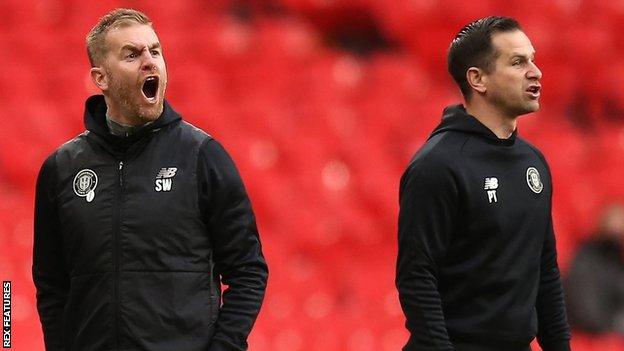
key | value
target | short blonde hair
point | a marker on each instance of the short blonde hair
(96, 39)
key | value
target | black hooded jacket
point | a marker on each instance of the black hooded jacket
(134, 236)
(477, 266)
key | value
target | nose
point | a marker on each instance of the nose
(534, 71)
(148, 63)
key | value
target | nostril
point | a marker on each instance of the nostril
(149, 67)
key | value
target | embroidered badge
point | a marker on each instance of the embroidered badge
(85, 183)
(533, 180)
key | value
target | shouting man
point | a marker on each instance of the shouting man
(477, 267)
(141, 218)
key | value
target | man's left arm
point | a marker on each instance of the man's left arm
(553, 332)
(237, 249)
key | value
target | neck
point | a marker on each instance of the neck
(121, 130)
(499, 123)
(114, 113)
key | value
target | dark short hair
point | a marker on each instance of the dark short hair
(472, 47)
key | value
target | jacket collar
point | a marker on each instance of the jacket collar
(95, 122)
(456, 118)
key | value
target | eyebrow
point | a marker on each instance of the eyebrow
(522, 56)
(132, 47)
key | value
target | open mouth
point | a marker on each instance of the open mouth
(150, 88)
(534, 90)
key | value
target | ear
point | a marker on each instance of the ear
(477, 79)
(99, 77)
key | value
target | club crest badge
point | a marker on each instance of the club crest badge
(85, 183)
(533, 180)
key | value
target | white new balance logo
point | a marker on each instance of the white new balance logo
(164, 180)
(491, 184)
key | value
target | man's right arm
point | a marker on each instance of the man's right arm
(49, 275)
(428, 203)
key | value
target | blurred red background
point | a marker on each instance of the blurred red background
(321, 103)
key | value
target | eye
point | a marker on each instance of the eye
(155, 52)
(131, 55)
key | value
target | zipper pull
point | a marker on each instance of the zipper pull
(121, 173)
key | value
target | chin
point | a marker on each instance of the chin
(151, 113)
(533, 107)
(528, 108)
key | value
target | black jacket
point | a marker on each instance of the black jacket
(595, 286)
(134, 236)
(477, 266)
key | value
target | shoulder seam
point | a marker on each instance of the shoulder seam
(443, 139)
(198, 130)
(461, 149)
(535, 150)
(424, 159)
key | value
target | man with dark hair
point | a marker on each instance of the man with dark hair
(477, 267)
(141, 218)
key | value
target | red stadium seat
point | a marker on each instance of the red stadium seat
(321, 136)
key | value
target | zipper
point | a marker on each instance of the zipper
(121, 184)
(116, 249)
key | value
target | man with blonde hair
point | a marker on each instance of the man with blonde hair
(141, 218)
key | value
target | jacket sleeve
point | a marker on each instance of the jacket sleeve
(428, 203)
(553, 330)
(49, 274)
(237, 249)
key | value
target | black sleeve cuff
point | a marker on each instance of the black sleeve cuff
(557, 345)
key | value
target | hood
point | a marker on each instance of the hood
(95, 122)
(95, 118)
(456, 118)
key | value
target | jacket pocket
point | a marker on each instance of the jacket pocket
(88, 313)
(163, 311)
